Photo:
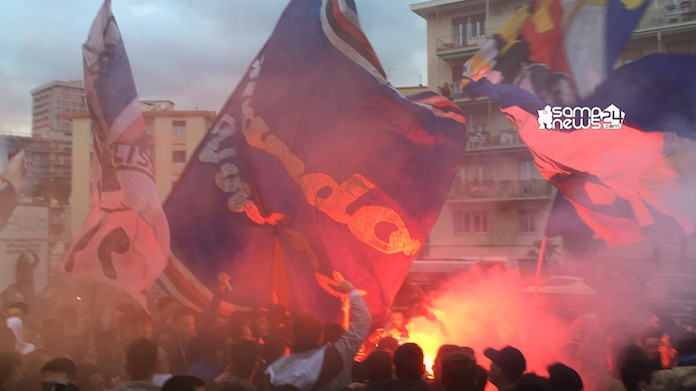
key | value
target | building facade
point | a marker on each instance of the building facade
(499, 202)
(173, 137)
(51, 131)
(44, 186)
(49, 101)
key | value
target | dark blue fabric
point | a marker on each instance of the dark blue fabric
(341, 122)
(114, 85)
(620, 23)
(657, 93)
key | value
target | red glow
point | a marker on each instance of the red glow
(488, 309)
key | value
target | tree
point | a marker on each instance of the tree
(551, 253)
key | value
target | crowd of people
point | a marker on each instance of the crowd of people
(176, 348)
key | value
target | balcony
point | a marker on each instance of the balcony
(507, 139)
(454, 46)
(501, 190)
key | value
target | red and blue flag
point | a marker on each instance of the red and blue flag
(630, 182)
(316, 169)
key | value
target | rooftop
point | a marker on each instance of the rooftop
(55, 83)
(149, 114)
(426, 8)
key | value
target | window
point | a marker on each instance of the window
(527, 221)
(467, 28)
(471, 222)
(477, 122)
(480, 173)
(459, 32)
(179, 127)
(526, 169)
(472, 172)
(477, 26)
(179, 156)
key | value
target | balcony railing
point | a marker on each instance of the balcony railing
(449, 42)
(485, 141)
(501, 189)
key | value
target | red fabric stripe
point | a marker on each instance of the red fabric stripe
(133, 131)
(351, 29)
(615, 230)
(439, 101)
(185, 287)
(547, 47)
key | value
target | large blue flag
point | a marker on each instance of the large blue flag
(632, 176)
(315, 170)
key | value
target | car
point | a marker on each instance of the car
(562, 285)
(566, 296)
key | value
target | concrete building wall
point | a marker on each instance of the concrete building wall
(80, 194)
(517, 207)
(49, 101)
(162, 160)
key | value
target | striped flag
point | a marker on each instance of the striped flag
(124, 240)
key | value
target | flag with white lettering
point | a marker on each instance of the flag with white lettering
(624, 156)
(315, 170)
(124, 240)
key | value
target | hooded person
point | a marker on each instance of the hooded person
(328, 367)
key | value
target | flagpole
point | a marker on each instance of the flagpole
(540, 262)
(542, 248)
(345, 307)
(92, 343)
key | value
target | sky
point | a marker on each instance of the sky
(192, 52)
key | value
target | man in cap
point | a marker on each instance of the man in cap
(507, 366)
